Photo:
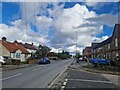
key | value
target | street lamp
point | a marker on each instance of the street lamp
(76, 42)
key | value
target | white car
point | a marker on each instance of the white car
(2, 60)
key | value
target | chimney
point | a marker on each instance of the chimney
(4, 38)
(15, 41)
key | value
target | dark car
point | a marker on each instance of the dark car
(44, 61)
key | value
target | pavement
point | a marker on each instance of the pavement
(36, 76)
(77, 78)
(12, 67)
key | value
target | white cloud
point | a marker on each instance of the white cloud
(65, 23)
(54, 50)
(104, 19)
(68, 23)
(91, 3)
(97, 3)
(98, 40)
(43, 23)
(18, 32)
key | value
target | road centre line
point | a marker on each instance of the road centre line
(12, 76)
(91, 81)
(66, 79)
(63, 87)
(36, 69)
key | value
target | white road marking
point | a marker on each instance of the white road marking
(63, 87)
(64, 83)
(36, 69)
(12, 76)
(91, 81)
(40, 65)
(66, 80)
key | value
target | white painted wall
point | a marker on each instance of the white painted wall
(4, 51)
(30, 51)
(23, 57)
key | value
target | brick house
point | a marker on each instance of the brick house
(110, 48)
(87, 52)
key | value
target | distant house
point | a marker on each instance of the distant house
(52, 55)
(110, 48)
(87, 52)
(14, 50)
(31, 48)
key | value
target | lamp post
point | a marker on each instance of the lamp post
(76, 43)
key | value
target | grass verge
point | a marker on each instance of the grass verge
(104, 69)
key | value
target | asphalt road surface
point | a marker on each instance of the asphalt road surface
(82, 79)
(37, 76)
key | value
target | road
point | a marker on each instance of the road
(37, 76)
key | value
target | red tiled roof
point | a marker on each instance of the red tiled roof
(12, 47)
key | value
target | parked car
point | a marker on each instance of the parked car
(2, 60)
(80, 59)
(100, 61)
(44, 61)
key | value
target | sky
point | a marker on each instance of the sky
(59, 25)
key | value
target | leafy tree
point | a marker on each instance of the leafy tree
(78, 55)
(64, 55)
(42, 51)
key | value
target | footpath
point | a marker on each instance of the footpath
(12, 67)
(75, 77)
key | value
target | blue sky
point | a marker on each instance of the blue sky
(12, 12)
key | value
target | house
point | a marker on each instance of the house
(14, 50)
(87, 52)
(31, 48)
(102, 50)
(52, 55)
(110, 48)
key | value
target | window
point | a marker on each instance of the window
(116, 42)
(117, 54)
(108, 46)
(17, 55)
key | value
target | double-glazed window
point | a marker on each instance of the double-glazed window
(17, 55)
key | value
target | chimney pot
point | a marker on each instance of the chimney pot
(4, 38)
(15, 41)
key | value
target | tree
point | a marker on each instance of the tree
(42, 51)
(78, 55)
(64, 55)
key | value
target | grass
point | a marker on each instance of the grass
(24, 62)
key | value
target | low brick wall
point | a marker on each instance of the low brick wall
(15, 62)
(32, 61)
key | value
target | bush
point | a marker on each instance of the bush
(24, 62)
